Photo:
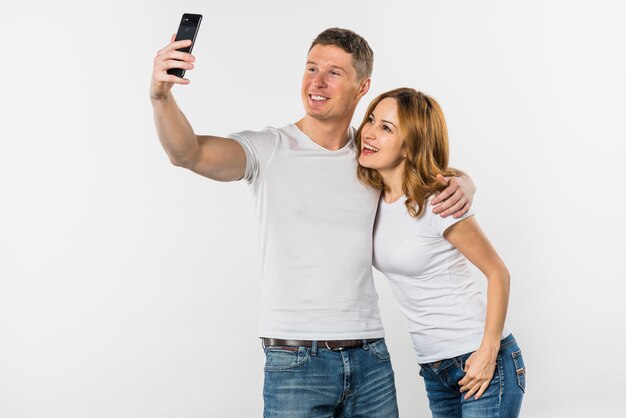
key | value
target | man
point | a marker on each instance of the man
(320, 324)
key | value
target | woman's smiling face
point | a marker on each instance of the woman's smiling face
(382, 137)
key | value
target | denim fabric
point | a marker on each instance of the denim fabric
(502, 399)
(319, 383)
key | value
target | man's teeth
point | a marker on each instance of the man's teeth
(321, 98)
(369, 147)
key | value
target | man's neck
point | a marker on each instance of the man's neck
(332, 135)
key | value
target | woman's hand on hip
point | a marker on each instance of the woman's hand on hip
(479, 369)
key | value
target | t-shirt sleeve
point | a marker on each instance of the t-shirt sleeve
(259, 147)
(440, 224)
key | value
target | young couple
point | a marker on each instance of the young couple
(317, 188)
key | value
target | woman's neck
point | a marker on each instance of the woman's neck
(392, 178)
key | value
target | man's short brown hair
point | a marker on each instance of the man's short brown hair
(352, 43)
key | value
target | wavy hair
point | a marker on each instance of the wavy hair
(425, 147)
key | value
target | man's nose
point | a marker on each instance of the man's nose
(319, 81)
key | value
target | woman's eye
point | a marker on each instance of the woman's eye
(370, 119)
(386, 128)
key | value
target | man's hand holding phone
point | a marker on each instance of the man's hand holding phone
(172, 61)
(168, 58)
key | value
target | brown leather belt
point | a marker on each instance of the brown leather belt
(331, 345)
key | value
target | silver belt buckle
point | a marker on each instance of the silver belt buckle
(332, 349)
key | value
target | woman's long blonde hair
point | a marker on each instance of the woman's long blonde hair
(425, 146)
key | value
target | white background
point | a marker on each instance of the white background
(129, 287)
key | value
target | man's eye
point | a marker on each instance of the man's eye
(334, 73)
(311, 70)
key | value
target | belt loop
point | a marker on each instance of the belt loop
(365, 345)
(314, 348)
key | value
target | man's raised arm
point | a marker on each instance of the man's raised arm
(213, 157)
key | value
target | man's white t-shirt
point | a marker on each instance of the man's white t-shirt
(315, 229)
(430, 279)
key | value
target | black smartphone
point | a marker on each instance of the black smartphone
(188, 29)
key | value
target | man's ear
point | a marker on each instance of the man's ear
(365, 86)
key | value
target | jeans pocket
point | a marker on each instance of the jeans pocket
(379, 350)
(520, 369)
(285, 358)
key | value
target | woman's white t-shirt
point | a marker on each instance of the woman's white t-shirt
(444, 308)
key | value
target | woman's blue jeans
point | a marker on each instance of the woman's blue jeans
(319, 383)
(502, 399)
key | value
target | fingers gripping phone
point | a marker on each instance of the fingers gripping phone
(188, 29)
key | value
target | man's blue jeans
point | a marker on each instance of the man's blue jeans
(319, 383)
(502, 399)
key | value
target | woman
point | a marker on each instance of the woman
(470, 362)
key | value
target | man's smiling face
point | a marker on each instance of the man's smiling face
(330, 88)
